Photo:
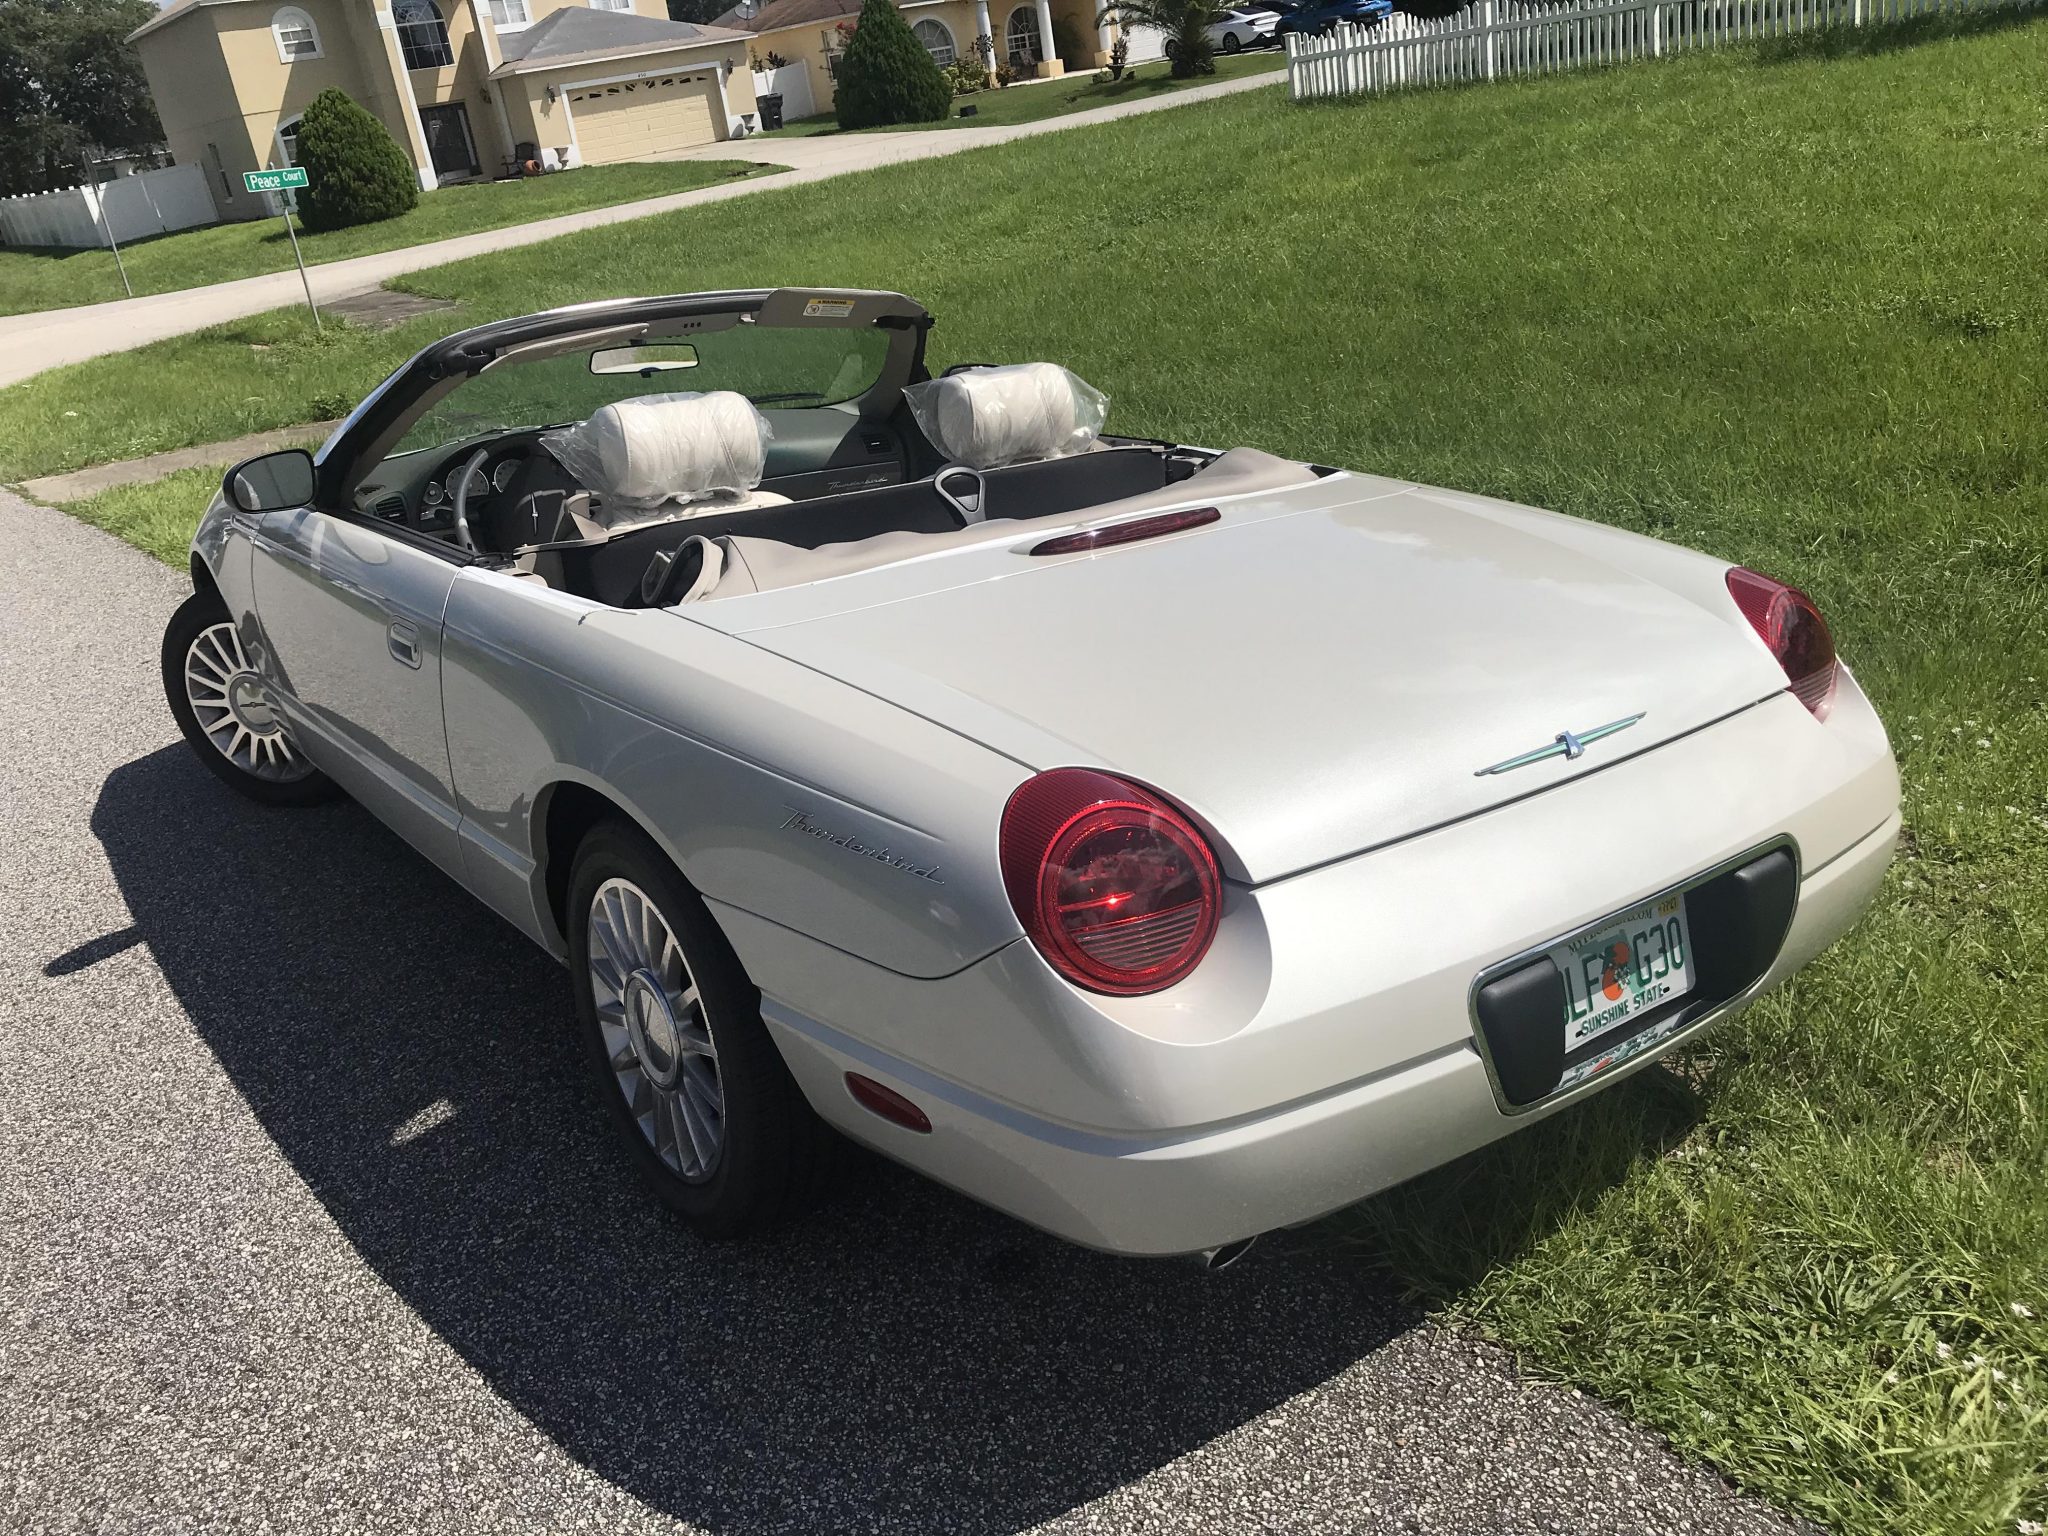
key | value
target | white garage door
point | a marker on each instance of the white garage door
(1146, 43)
(635, 119)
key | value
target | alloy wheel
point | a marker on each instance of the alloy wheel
(234, 711)
(657, 1034)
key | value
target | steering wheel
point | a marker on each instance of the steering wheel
(463, 479)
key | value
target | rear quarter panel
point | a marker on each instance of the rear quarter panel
(776, 790)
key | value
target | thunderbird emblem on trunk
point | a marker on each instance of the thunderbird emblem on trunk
(1568, 745)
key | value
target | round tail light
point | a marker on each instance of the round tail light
(1115, 887)
(1797, 635)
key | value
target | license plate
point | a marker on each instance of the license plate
(1640, 959)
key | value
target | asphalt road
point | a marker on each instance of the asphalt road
(308, 1224)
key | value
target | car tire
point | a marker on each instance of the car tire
(1171, 50)
(672, 1031)
(217, 699)
(1231, 44)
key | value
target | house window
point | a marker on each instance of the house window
(1020, 36)
(288, 141)
(297, 37)
(938, 42)
(509, 13)
(611, 5)
(422, 34)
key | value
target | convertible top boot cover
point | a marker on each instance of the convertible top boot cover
(764, 565)
(987, 418)
(639, 453)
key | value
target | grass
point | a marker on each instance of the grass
(1779, 306)
(1070, 93)
(54, 279)
(157, 517)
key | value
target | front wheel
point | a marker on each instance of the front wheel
(672, 1030)
(222, 707)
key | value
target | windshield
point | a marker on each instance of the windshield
(770, 365)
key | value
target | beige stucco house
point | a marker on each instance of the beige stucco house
(1024, 33)
(461, 84)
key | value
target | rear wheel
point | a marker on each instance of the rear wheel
(223, 708)
(1231, 44)
(672, 1029)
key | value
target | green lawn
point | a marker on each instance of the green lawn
(1070, 93)
(34, 279)
(1781, 306)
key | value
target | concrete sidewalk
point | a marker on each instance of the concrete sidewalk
(31, 343)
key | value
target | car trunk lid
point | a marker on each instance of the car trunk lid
(1324, 670)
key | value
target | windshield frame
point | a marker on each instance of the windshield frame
(376, 426)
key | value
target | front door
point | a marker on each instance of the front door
(351, 621)
(449, 142)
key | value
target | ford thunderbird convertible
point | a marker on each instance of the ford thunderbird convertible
(1160, 844)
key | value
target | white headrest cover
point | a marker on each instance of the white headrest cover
(988, 417)
(655, 448)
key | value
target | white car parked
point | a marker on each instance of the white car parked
(1158, 844)
(1235, 30)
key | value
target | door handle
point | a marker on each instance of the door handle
(404, 641)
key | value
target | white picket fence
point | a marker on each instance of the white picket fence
(134, 207)
(1495, 39)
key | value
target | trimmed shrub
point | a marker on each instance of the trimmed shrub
(358, 173)
(885, 76)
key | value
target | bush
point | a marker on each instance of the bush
(966, 76)
(357, 172)
(885, 76)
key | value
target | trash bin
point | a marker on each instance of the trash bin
(771, 111)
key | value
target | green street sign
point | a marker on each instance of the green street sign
(287, 180)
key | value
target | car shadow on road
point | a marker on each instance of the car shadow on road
(903, 1352)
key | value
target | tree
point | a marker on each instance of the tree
(1185, 23)
(71, 89)
(358, 174)
(885, 75)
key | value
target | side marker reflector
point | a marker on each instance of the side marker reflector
(887, 1103)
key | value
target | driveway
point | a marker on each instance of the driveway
(308, 1223)
(30, 343)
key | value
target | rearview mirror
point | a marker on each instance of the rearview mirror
(271, 482)
(645, 360)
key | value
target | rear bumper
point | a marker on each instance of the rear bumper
(1310, 1068)
(1170, 1194)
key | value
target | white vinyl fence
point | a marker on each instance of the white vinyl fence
(1493, 39)
(134, 207)
(793, 83)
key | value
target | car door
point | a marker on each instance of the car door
(351, 619)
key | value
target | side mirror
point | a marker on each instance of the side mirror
(271, 482)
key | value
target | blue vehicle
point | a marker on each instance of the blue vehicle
(1318, 16)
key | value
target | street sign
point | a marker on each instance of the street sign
(290, 179)
(287, 179)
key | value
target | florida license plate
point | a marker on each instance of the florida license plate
(1639, 960)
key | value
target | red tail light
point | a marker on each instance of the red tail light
(1115, 887)
(1792, 627)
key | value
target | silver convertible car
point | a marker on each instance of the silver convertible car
(1159, 844)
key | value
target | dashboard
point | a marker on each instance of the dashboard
(418, 491)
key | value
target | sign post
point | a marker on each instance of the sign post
(290, 179)
(99, 204)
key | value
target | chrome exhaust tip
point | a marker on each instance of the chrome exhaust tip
(1214, 1259)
